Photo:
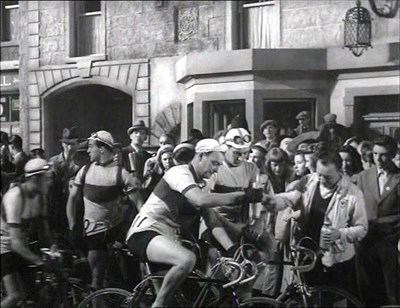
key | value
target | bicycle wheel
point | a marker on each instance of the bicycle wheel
(325, 296)
(109, 297)
(261, 302)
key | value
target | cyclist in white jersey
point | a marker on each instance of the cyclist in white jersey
(154, 233)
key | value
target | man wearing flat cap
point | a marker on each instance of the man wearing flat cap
(134, 156)
(304, 122)
(269, 130)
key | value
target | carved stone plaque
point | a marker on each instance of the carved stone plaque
(187, 23)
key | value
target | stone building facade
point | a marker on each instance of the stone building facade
(183, 64)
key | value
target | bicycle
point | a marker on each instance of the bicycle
(298, 294)
(53, 285)
(215, 290)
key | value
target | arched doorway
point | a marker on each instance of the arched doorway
(89, 107)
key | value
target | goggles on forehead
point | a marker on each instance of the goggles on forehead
(242, 139)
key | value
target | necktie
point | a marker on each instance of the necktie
(382, 179)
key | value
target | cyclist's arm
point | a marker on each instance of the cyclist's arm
(206, 200)
(71, 206)
(133, 188)
(13, 204)
(18, 246)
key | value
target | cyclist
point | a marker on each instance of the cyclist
(102, 183)
(21, 205)
(154, 232)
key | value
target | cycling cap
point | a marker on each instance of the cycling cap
(36, 166)
(208, 145)
(238, 138)
(104, 137)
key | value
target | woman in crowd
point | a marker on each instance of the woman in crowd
(351, 161)
(154, 170)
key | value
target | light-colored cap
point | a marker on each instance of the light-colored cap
(208, 145)
(103, 136)
(36, 166)
(238, 138)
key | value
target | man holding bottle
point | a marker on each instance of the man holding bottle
(333, 215)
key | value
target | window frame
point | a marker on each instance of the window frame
(241, 18)
(71, 35)
(9, 96)
(4, 7)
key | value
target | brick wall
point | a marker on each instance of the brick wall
(318, 23)
(140, 29)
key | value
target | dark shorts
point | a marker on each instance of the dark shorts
(138, 243)
(12, 263)
(100, 241)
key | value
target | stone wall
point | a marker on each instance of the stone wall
(319, 23)
(139, 29)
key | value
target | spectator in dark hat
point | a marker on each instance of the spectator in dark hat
(18, 155)
(134, 156)
(304, 123)
(63, 170)
(239, 121)
(269, 129)
(195, 136)
(183, 153)
(334, 135)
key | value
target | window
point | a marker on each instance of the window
(260, 24)
(9, 20)
(88, 28)
(9, 108)
(221, 114)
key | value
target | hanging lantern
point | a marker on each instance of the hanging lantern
(357, 29)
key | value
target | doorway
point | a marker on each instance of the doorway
(90, 108)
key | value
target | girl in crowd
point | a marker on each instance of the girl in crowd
(351, 161)
(154, 170)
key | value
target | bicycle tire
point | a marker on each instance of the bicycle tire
(123, 295)
(260, 302)
(326, 296)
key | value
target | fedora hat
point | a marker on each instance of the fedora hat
(69, 135)
(138, 125)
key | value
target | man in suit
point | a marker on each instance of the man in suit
(134, 155)
(378, 268)
(63, 169)
(19, 157)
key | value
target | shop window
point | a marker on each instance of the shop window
(260, 24)
(9, 20)
(87, 29)
(9, 108)
(221, 114)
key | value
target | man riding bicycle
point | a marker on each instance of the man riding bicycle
(21, 205)
(155, 231)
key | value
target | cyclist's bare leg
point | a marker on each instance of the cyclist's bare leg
(98, 264)
(163, 250)
(14, 289)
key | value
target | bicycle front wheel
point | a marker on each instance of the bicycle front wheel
(325, 296)
(109, 297)
(260, 302)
